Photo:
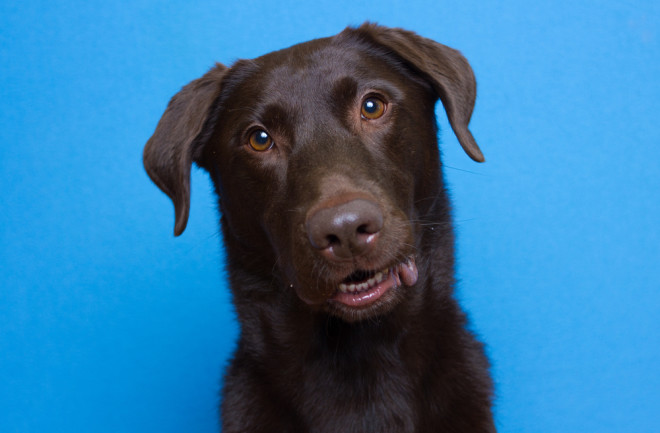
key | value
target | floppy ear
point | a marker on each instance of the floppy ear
(170, 152)
(447, 70)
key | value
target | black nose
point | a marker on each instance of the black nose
(346, 230)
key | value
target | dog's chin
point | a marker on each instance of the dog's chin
(366, 294)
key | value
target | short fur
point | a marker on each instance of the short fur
(306, 362)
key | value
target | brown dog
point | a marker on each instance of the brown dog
(338, 232)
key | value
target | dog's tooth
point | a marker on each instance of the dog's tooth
(378, 277)
(351, 288)
(371, 281)
(343, 287)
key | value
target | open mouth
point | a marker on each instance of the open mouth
(363, 288)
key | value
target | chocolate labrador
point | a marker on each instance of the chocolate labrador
(338, 232)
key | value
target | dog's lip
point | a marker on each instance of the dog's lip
(366, 292)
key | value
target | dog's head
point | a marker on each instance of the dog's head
(324, 156)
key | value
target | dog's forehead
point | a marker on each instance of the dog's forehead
(312, 59)
(310, 70)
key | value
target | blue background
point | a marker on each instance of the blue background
(109, 324)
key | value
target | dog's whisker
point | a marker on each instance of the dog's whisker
(466, 171)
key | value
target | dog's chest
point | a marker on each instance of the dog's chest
(370, 395)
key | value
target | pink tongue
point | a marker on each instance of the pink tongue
(408, 272)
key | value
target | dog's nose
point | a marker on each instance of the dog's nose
(346, 230)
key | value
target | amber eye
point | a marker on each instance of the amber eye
(372, 108)
(260, 140)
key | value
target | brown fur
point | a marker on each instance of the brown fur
(304, 362)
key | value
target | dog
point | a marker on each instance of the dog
(338, 232)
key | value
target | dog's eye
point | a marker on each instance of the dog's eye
(260, 140)
(372, 108)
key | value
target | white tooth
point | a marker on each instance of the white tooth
(351, 288)
(362, 286)
(371, 282)
(379, 277)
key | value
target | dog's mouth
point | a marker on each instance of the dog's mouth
(362, 288)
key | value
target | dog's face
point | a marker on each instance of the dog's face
(325, 159)
(307, 130)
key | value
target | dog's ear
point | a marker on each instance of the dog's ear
(171, 150)
(447, 70)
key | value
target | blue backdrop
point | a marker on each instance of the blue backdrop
(109, 324)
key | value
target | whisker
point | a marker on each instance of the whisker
(465, 171)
